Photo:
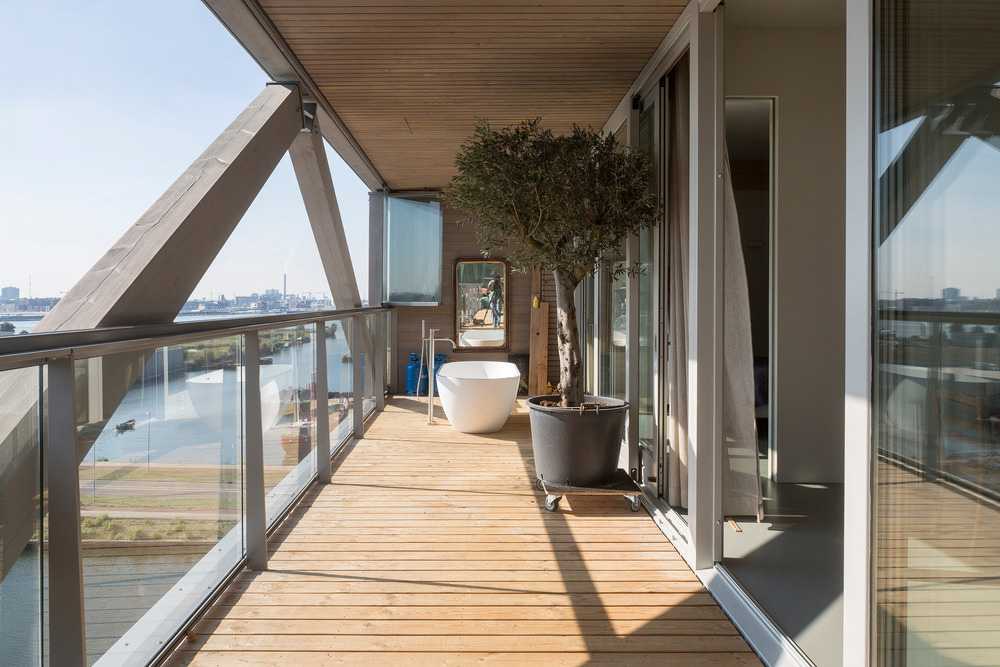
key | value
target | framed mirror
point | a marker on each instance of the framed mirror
(481, 304)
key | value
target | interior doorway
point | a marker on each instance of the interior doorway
(750, 136)
(785, 140)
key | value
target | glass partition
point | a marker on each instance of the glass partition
(481, 304)
(339, 380)
(936, 412)
(585, 316)
(414, 232)
(287, 370)
(22, 584)
(161, 445)
(370, 323)
(613, 338)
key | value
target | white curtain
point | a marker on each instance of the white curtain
(740, 472)
(740, 477)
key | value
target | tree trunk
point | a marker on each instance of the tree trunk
(570, 380)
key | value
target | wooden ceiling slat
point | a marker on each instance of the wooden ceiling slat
(411, 77)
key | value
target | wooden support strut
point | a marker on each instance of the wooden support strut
(538, 362)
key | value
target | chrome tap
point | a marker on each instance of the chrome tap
(430, 340)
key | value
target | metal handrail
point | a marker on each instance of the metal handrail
(35, 348)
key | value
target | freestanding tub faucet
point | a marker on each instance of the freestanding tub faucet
(429, 342)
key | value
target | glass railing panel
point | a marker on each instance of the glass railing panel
(390, 353)
(160, 436)
(287, 398)
(21, 522)
(370, 323)
(339, 380)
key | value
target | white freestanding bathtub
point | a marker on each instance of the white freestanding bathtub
(478, 395)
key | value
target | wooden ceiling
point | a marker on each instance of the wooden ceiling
(410, 77)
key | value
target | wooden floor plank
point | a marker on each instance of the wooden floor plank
(241, 658)
(432, 547)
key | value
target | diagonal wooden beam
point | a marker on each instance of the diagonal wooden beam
(150, 272)
(145, 278)
(313, 173)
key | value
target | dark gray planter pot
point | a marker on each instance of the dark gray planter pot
(576, 448)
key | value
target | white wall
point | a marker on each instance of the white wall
(804, 69)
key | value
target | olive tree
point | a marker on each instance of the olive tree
(556, 203)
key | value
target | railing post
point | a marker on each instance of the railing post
(256, 511)
(322, 407)
(358, 383)
(379, 359)
(66, 618)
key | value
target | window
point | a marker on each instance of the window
(936, 399)
(414, 229)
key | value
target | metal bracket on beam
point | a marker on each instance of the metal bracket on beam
(307, 119)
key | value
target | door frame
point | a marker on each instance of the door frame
(772, 276)
(859, 491)
(672, 49)
(654, 95)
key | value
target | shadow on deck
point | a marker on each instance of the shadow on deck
(432, 547)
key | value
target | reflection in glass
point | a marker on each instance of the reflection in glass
(160, 487)
(614, 329)
(937, 380)
(287, 413)
(645, 336)
(371, 323)
(414, 231)
(481, 303)
(339, 380)
(21, 541)
(585, 315)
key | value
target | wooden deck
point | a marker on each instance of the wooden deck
(432, 547)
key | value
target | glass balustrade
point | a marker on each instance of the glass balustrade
(339, 380)
(160, 438)
(287, 376)
(161, 443)
(22, 537)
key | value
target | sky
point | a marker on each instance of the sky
(109, 102)
(949, 238)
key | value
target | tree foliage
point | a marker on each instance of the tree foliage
(552, 202)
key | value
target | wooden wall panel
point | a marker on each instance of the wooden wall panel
(460, 242)
(549, 296)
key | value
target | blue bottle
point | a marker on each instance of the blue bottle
(412, 368)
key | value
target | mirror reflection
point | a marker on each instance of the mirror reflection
(481, 303)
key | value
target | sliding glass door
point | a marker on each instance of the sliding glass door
(644, 289)
(658, 385)
(936, 412)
